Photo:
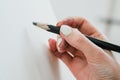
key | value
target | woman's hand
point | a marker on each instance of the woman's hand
(85, 60)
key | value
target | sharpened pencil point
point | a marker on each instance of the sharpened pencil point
(34, 23)
(41, 25)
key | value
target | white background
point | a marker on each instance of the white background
(24, 52)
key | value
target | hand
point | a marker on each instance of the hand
(84, 59)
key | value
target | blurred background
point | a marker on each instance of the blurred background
(103, 14)
(21, 45)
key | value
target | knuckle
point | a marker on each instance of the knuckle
(80, 39)
(76, 39)
(82, 19)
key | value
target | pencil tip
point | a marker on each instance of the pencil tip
(34, 23)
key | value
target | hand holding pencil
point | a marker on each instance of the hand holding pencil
(85, 60)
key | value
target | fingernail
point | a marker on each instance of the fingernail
(58, 43)
(66, 30)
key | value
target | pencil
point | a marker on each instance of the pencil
(100, 43)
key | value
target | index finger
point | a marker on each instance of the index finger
(82, 24)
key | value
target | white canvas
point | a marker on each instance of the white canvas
(24, 51)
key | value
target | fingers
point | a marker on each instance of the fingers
(63, 46)
(83, 25)
(80, 42)
(52, 44)
(65, 57)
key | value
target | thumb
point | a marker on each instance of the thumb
(76, 39)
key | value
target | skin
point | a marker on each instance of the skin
(84, 59)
